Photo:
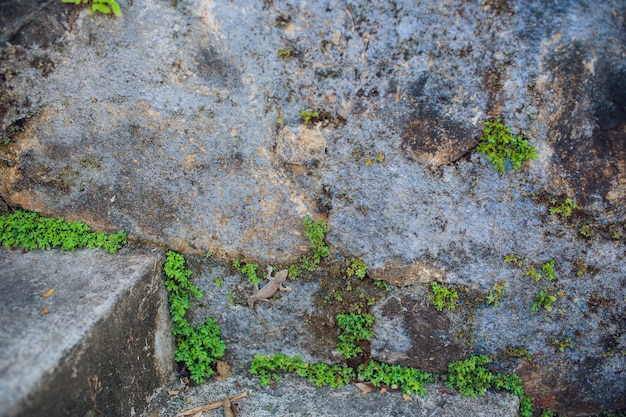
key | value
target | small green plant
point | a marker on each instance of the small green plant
(294, 271)
(493, 298)
(354, 327)
(525, 406)
(442, 296)
(29, 230)
(565, 209)
(512, 258)
(320, 374)
(586, 231)
(548, 269)
(356, 268)
(383, 285)
(316, 233)
(469, 377)
(197, 347)
(561, 344)
(500, 146)
(249, 270)
(219, 282)
(547, 413)
(519, 353)
(532, 273)
(409, 380)
(102, 6)
(309, 116)
(284, 53)
(379, 159)
(543, 301)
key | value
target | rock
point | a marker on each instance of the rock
(194, 141)
(85, 331)
(398, 273)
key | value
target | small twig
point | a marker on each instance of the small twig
(228, 411)
(212, 406)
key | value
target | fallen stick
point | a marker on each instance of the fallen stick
(212, 406)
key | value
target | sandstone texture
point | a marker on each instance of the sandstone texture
(181, 123)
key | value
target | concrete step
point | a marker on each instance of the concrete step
(100, 344)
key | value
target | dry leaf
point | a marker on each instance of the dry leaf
(383, 390)
(198, 414)
(365, 387)
(48, 293)
(173, 392)
(45, 311)
(407, 397)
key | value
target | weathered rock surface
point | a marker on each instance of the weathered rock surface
(293, 397)
(182, 125)
(100, 343)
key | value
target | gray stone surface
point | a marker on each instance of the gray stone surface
(293, 397)
(182, 125)
(106, 323)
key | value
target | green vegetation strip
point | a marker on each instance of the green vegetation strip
(197, 347)
(468, 377)
(28, 230)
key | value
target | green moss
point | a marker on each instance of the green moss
(586, 231)
(519, 353)
(442, 296)
(249, 270)
(309, 116)
(565, 209)
(543, 301)
(320, 374)
(409, 380)
(354, 328)
(382, 285)
(356, 268)
(28, 230)
(561, 344)
(316, 232)
(512, 258)
(532, 273)
(493, 298)
(197, 347)
(548, 269)
(501, 147)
